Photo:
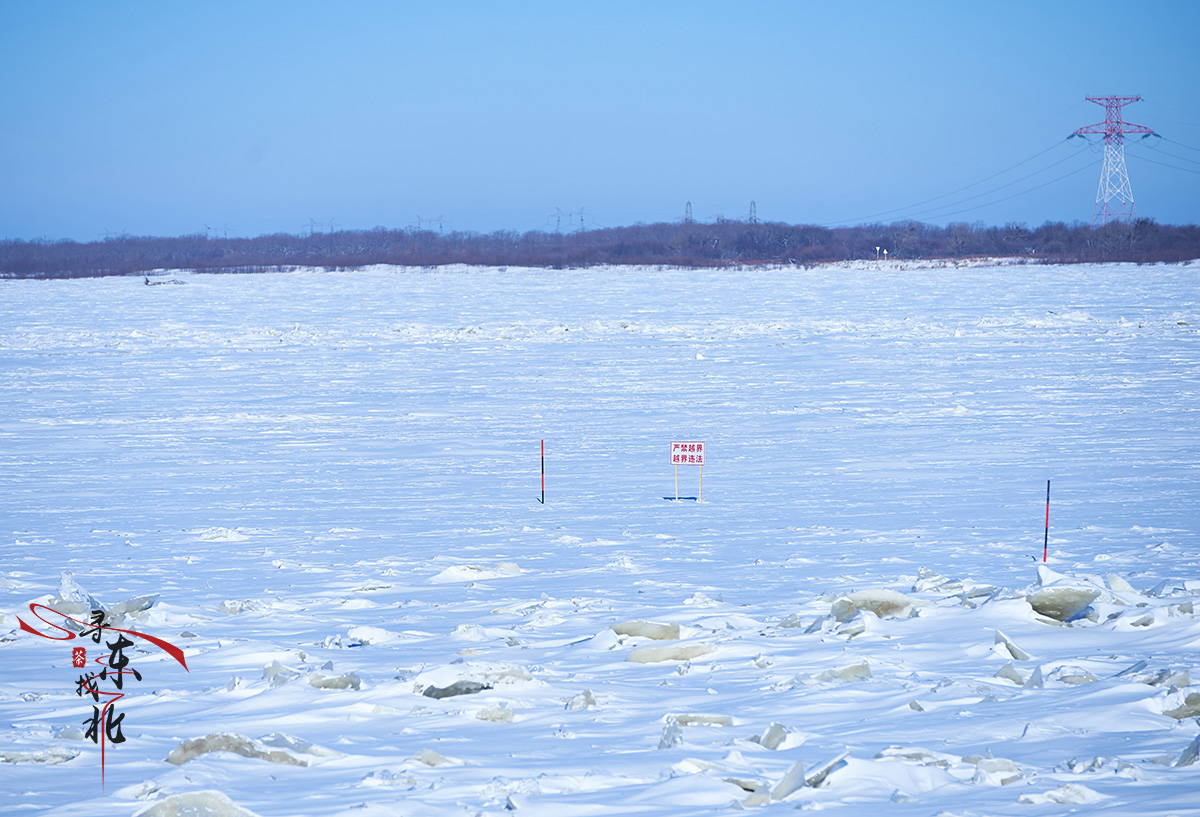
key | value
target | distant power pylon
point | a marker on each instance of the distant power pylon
(570, 220)
(558, 217)
(687, 214)
(1114, 197)
(440, 221)
(753, 217)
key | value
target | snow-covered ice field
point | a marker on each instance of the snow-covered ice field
(330, 481)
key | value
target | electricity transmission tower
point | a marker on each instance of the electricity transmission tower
(581, 215)
(753, 217)
(1114, 197)
(558, 217)
(440, 221)
(687, 214)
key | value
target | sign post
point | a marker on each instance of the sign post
(688, 452)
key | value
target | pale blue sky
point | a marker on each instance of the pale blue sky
(160, 118)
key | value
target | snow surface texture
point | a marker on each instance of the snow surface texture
(324, 487)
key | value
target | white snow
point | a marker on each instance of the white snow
(324, 487)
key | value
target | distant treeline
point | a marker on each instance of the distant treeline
(670, 244)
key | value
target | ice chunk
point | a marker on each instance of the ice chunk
(928, 580)
(997, 771)
(855, 672)
(1144, 621)
(366, 635)
(674, 652)
(57, 754)
(823, 772)
(1164, 678)
(1016, 652)
(473, 573)
(275, 748)
(648, 629)
(1190, 708)
(1119, 585)
(1062, 603)
(234, 606)
(1191, 754)
(386, 777)
(281, 740)
(1137, 666)
(219, 534)
(69, 591)
(583, 700)
(1073, 675)
(429, 757)
(196, 804)
(704, 720)
(277, 673)
(68, 732)
(881, 602)
(756, 788)
(915, 754)
(773, 737)
(496, 714)
(818, 624)
(855, 625)
(140, 791)
(137, 604)
(348, 681)
(672, 735)
(457, 688)
(1009, 673)
(790, 782)
(1072, 794)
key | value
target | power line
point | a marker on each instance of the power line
(975, 157)
(918, 204)
(1016, 195)
(1164, 164)
(1177, 158)
(1173, 142)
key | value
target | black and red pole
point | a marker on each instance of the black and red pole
(1046, 538)
(543, 499)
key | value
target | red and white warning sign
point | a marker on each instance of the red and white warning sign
(687, 453)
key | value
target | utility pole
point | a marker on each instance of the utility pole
(1114, 197)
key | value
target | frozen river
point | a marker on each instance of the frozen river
(333, 479)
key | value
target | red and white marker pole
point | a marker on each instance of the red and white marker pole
(1046, 538)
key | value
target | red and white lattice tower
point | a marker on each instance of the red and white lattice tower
(1114, 198)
